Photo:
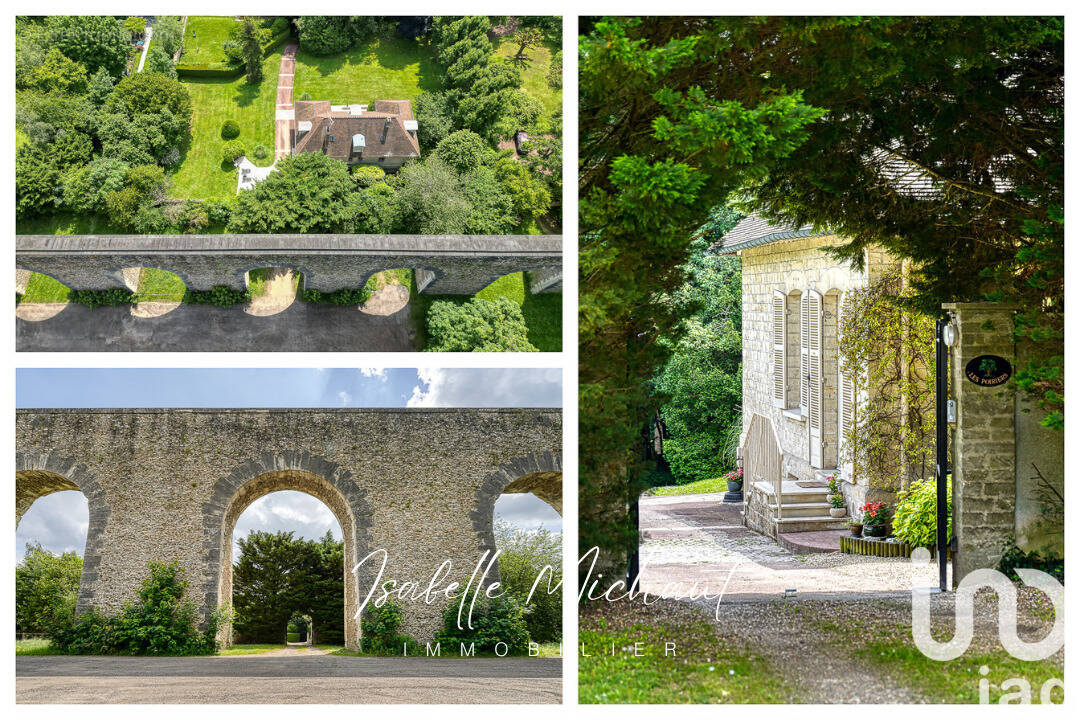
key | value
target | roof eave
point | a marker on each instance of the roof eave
(771, 237)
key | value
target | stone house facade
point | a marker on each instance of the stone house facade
(384, 136)
(792, 296)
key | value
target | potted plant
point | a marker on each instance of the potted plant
(734, 480)
(875, 518)
(856, 527)
(836, 499)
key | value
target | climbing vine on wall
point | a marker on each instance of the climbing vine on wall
(891, 439)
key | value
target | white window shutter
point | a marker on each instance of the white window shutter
(845, 396)
(804, 354)
(815, 415)
(779, 338)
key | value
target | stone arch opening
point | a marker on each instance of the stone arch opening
(157, 291)
(38, 476)
(39, 296)
(273, 290)
(290, 511)
(536, 473)
(301, 472)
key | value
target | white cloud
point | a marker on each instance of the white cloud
(374, 372)
(487, 387)
(344, 397)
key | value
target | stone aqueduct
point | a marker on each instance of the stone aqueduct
(169, 484)
(444, 264)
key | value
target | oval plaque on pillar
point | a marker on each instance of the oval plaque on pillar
(988, 370)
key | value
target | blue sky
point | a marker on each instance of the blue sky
(58, 521)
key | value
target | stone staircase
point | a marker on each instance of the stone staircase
(802, 509)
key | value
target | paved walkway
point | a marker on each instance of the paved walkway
(689, 539)
(284, 117)
(310, 678)
(146, 46)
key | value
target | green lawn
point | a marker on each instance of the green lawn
(44, 289)
(710, 485)
(66, 223)
(156, 285)
(203, 39)
(534, 74)
(701, 670)
(543, 311)
(251, 649)
(386, 69)
(34, 646)
(202, 174)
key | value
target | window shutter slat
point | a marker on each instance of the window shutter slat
(779, 336)
(804, 354)
(815, 391)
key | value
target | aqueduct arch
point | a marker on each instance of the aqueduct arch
(169, 484)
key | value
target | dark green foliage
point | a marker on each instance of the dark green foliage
(280, 25)
(93, 41)
(86, 187)
(251, 51)
(169, 34)
(435, 119)
(324, 35)
(160, 622)
(149, 92)
(279, 576)
(477, 326)
(344, 296)
(464, 151)
(1013, 557)
(46, 588)
(496, 620)
(232, 150)
(220, 295)
(666, 133)
(528, 193)
(523, 559)
(554, 76)
(486, 98)
(462, 48)
(157, 61)
(139, 139)
(230, 129)
(380, 631)
(101, 298)
(58, 75)
(309, 193)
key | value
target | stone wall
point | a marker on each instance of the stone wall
(169, 485)
(792, 266)
(449, 264)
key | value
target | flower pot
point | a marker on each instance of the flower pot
(873, 530)
(734, 485)
(837, 512)
(856, 529)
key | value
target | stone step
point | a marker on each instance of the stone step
(804, 543)
(810, 524)
(802, 509)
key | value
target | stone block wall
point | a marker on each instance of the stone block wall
(168, 485)
(447, 264)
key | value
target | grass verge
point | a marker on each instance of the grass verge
(156, 285)
(44, 289)
(709, 485)
(204, 39)
(386, 69)
(35, 646)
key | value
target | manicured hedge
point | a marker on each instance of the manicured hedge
(226, 72)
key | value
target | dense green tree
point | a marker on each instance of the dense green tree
(169, 34)
(151, 92)
(46, 588)
(663, 139)
(308, 193)
(367, 175)
(434, 113)
(57, 74)
(486, 100)
(418, 185)
(477, 326)
(93, 41)
(31, 46)
(324, 34)
(375, 209)
(251, 50)
(158, 61)
(42, 116)
(462, 48)
(526, 38)
(529, 194)
(543, 156)
(142, 138)
(520, 111)
(524, 559)
(39, 168)
(464, 151)
(85, 187)
(99, 87)
(491, 207)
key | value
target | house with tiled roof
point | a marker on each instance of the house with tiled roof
(383, 135)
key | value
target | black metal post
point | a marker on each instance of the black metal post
(633, 564)
(942, 452)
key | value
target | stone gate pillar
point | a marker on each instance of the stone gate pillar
(983, 438)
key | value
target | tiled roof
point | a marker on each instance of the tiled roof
(755, 230)
(383, 130)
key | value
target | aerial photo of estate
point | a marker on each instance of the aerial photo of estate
(318, 183)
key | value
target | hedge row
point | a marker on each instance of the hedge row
(225, 72)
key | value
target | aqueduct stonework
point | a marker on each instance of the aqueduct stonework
(169, 484)
(444, 264)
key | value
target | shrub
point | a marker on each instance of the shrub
(915, 517)
(554, 75)
(523, 557)
(232, 150)
(345, 296)
(380, 629)
(279, 25)
(324, 34)
(1013, 557)
(218, 211)
(259, 152)
(220, 295)
(477, 326)
(159, 622)
(100, 298)
(463, 150)
(494, 620)
(229, 130)
(367, 175)
(305, 96)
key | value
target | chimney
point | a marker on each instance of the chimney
(386, 129)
